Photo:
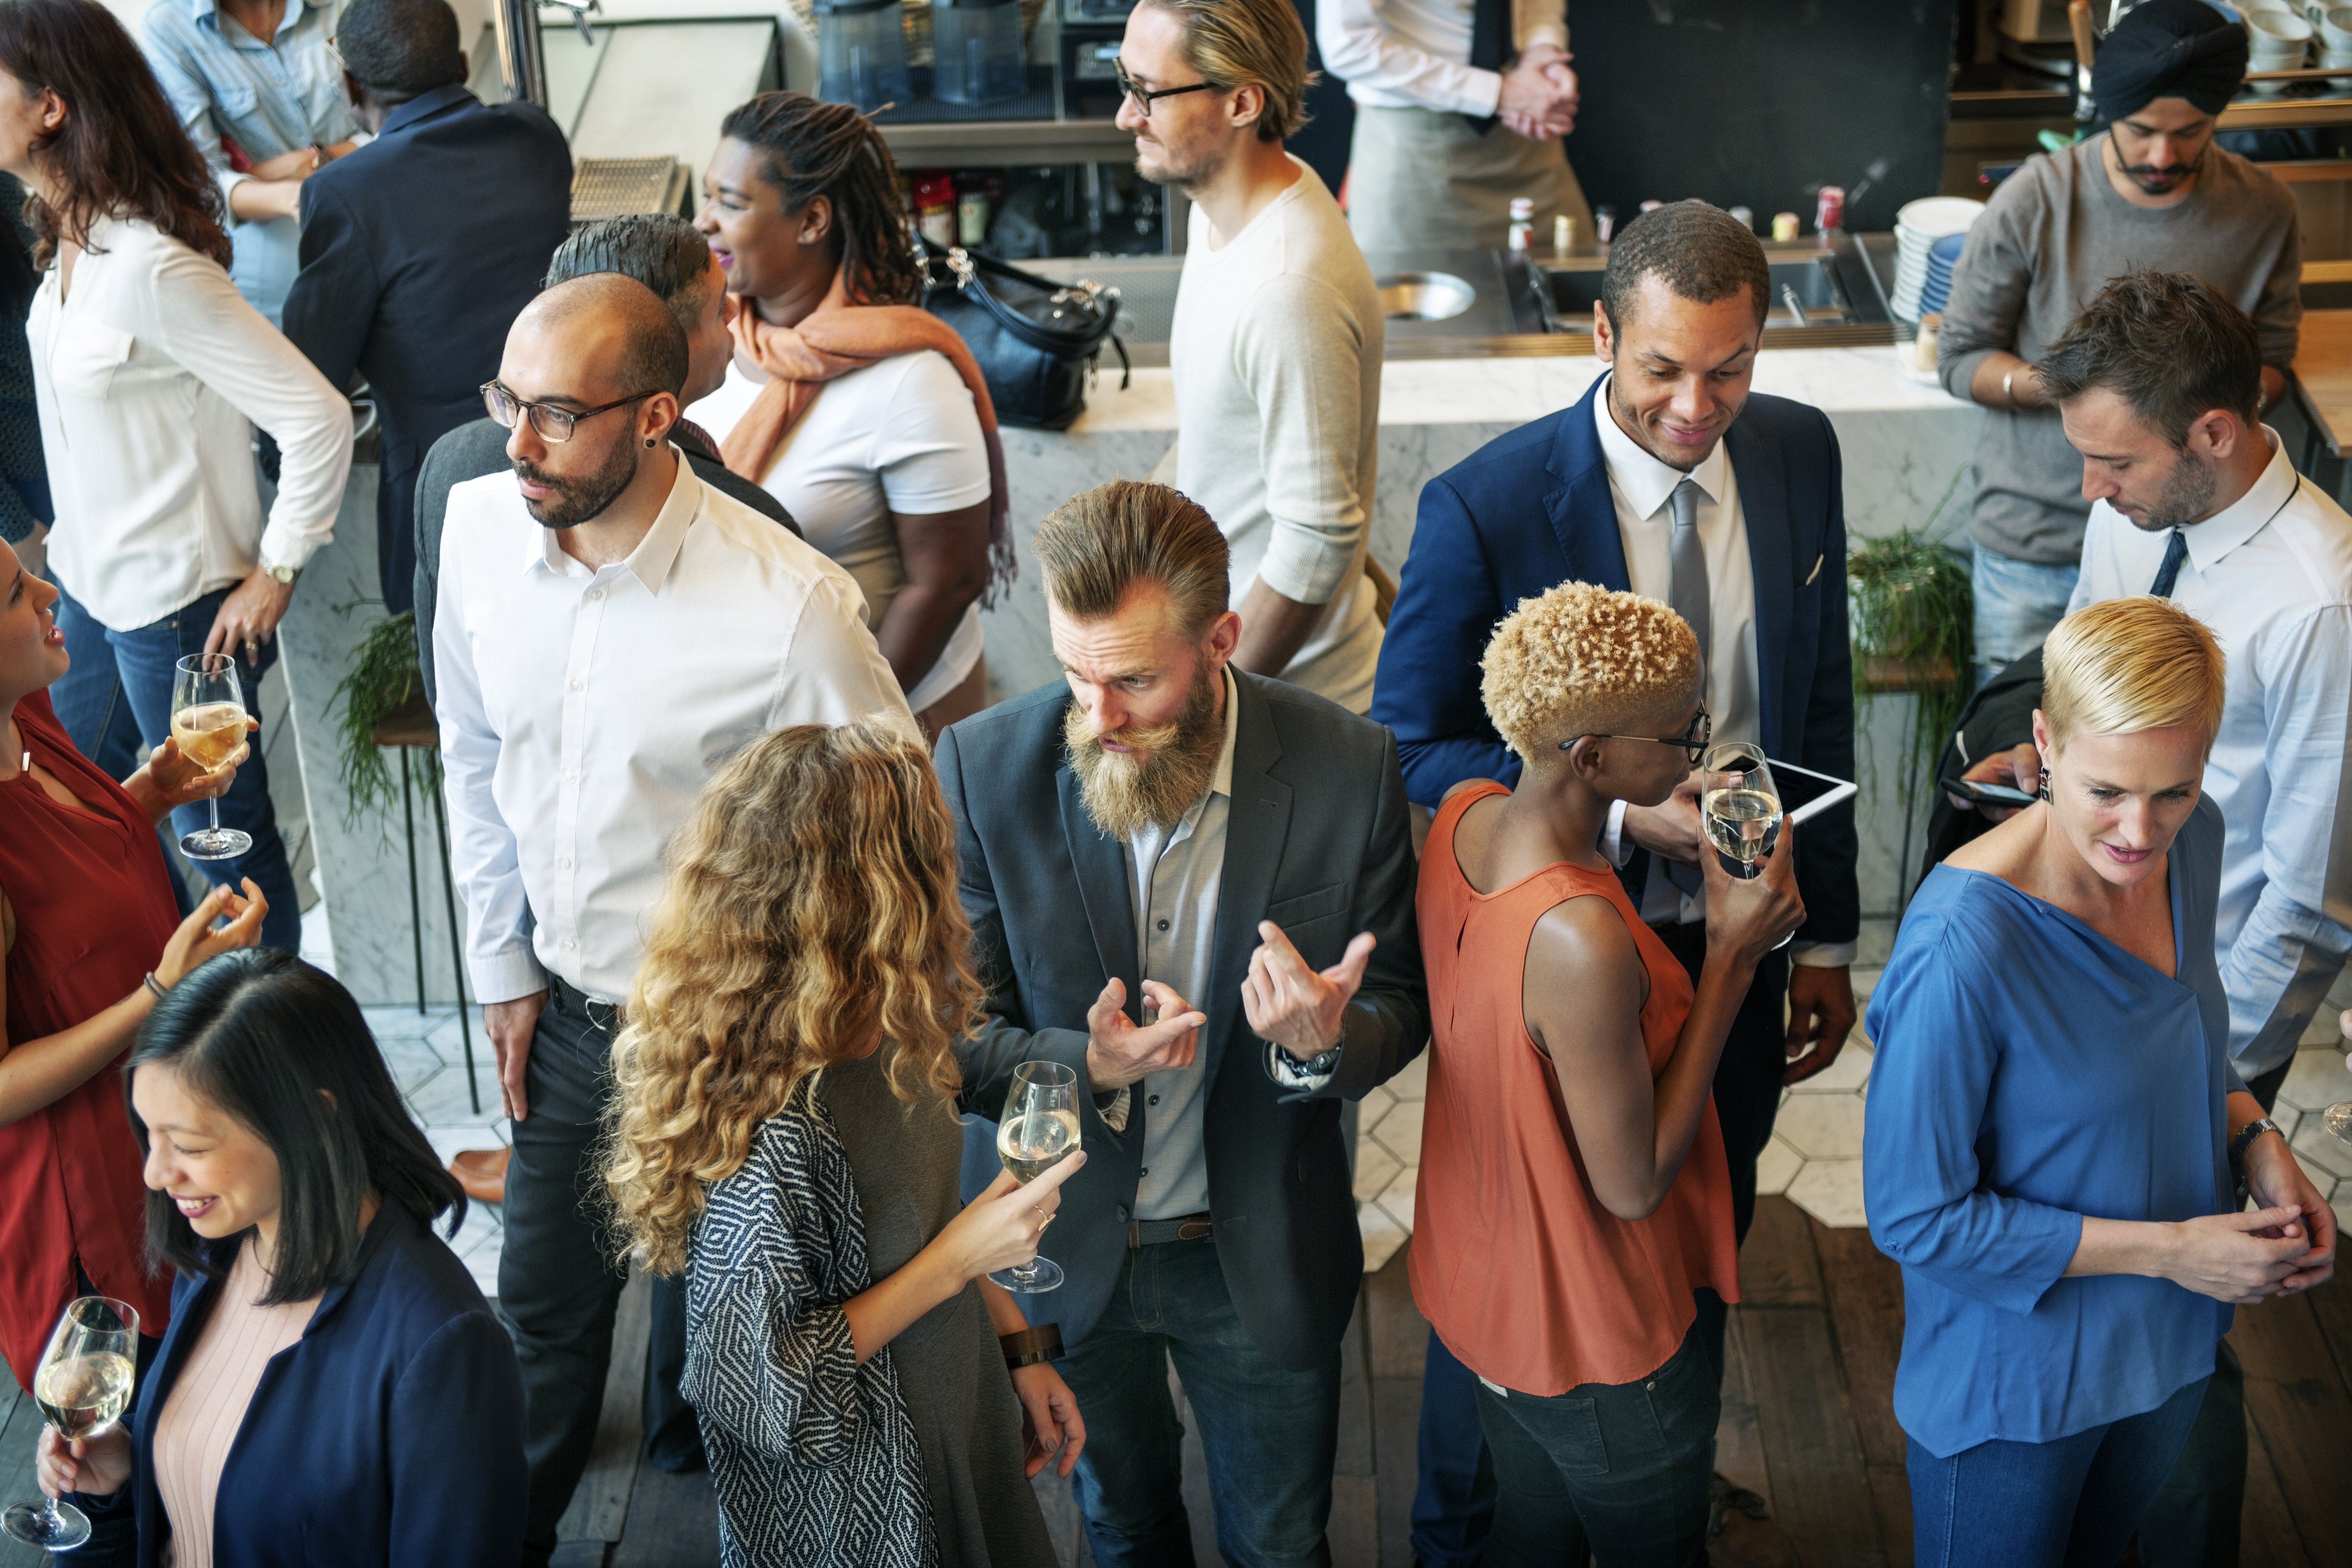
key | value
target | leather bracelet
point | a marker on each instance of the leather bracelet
(1031, 1346)
(157, 986)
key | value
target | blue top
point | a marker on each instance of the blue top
(2029, 1072)
(389, 1436)
(272, 97)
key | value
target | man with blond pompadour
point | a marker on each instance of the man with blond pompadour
(1583, 660)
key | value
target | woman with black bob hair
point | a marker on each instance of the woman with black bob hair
(332, 1390)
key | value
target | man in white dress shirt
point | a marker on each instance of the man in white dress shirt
(2158, 382)
(1460, 107)
(610, 630)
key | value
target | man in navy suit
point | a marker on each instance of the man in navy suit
(420, 250)
(1671, 479)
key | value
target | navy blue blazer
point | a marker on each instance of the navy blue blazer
(389, 1436)
(1532, 509)
(418, 252)
(1318, 841)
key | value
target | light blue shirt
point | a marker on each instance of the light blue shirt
(2029, 1072)
(273, 98)
(2272, 575)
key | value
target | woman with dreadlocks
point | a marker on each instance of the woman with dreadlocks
(860, 411)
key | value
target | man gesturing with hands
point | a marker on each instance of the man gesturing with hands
(1229, 855)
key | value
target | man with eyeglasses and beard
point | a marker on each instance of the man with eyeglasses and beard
(611, 630)
(2152, 190)
(1193, 886)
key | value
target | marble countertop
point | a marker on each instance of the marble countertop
(1510, 391)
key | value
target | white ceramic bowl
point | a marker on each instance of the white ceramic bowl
(2336, 28)
(2271, 30)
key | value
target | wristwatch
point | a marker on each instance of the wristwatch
(2246, 1135)
(284, 575)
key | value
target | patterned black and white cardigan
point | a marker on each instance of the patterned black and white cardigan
(815, 1461)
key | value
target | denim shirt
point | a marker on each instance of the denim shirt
(271, 98)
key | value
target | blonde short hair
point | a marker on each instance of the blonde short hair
(2122, 665)
(1243, 43)
(1582, 660)
(1102, 544)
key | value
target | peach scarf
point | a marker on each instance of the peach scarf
(837, 337)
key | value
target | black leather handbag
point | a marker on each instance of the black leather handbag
(1036, 340)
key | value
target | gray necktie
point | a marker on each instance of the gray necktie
(1687, 596)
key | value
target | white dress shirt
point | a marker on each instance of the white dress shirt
(2272, 575)
(1415, 54)
(151, 376)
(1644, 487)
(581, 712)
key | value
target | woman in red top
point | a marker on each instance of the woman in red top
(1573, 1243)
(86, 914)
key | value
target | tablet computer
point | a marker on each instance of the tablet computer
(1804, 793)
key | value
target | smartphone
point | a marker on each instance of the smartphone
(1988, 794)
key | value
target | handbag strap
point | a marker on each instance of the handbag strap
(966, 267)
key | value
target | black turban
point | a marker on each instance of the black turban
(2169, 49)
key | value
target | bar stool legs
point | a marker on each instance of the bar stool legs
(449, 903)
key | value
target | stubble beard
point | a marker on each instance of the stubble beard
(1124, 794)
(2187, 496)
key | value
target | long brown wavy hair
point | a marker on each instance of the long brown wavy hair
(811, 907)
(121, 151)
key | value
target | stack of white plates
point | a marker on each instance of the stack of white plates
(1918, 227)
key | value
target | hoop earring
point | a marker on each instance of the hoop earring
(2044, 790)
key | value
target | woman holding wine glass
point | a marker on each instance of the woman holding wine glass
(93, 938)
(785, 1135)
(1574, 1246)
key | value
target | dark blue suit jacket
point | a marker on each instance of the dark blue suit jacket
(1318, 841)
(389, 1433)
(418, 252)
(1532, 509)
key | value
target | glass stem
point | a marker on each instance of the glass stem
(213, 805)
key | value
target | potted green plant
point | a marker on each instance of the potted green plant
(384, 683)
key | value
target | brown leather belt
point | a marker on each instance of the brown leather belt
(1152, 1232)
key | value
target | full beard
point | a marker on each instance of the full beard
(1156, 786)
(576, 501)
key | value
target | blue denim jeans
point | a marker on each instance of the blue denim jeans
(2017, 603)
(2073, 1500)
(118, 696)
(1271, 1433)
(1617, 1471)
(1454, 1503)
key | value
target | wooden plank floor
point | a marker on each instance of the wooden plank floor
(1808, 1422)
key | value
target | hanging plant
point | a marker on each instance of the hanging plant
(384, 679)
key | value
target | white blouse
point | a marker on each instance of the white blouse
(151, 376)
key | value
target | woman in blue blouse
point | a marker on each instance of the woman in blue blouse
(2053, 1124)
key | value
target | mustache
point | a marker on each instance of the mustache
(1155, 738)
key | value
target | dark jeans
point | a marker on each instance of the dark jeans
(557, 1280)
(1618, 1471)
(1453, 1505)
(118, 696)
(1271, 1433)
(2074, 1500)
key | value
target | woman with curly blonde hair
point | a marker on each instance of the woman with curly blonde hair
(784, 1133)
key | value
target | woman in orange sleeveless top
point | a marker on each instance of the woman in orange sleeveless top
(1573, 1242)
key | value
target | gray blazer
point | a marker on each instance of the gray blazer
(1317, 842)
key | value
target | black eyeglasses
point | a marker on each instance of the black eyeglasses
(1145, 97)
(553, 425)
(1692, 741)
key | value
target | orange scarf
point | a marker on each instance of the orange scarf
(837, 337)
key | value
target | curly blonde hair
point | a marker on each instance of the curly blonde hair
(1582, 660)
(811, 905)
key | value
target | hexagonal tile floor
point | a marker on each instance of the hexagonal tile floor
(427, 1054)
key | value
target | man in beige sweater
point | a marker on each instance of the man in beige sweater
(1277, 337)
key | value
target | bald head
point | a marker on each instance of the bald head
(616, 335)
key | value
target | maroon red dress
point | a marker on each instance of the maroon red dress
(93, 910)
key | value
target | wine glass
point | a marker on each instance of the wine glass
(82, 1385)
(1040, 1129)
(1740, 807)
(208, 721)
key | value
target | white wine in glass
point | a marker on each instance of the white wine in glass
(83, 1386)
(208, 721)
(1740, 807)
(1039, 1131)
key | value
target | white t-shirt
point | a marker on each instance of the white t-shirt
(900, 436)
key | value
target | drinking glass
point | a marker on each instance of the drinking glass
(82, 1385)
(2338, 1117)
(1040, 1129)
(1740, 807)
(208, 721)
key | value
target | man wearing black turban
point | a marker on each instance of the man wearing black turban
(2169, 49)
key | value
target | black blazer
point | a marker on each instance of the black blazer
(389, 1436)
(1317, 842)
(418, 252)
(1532, 509)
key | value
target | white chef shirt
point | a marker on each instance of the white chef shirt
(150, 378)
(581, 712)
(1415, 54)
(2271, 576)
(1644, 487)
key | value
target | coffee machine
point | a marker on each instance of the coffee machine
(1090, 33)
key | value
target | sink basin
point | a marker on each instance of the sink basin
(1806, 293)
(1423, 296)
